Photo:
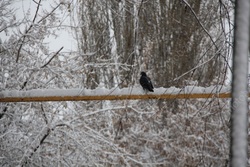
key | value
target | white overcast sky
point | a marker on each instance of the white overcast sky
(64, 38)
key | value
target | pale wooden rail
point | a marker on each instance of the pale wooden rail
(33, 98)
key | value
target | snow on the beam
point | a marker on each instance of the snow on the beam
(101, 91)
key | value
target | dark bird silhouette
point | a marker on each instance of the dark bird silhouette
(146, 83)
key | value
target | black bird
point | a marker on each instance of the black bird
(146, 83)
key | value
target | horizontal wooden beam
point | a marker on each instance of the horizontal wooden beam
(113, 97)
(105, 94)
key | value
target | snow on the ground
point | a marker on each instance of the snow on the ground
(137, 90)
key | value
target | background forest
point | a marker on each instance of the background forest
(177, 42)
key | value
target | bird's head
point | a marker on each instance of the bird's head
(143, 73)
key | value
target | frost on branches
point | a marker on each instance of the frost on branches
(182, 47)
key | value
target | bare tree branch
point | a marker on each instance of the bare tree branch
(26, 32)
(33, 22)
(49, 13)
(52, 58)
(199, 22)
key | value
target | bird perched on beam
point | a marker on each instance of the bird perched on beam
(146, 83)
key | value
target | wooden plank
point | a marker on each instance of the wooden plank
(114, 97)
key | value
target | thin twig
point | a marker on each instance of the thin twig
(35, 2)
(198, 20)
(33, 22)
(194, 68)
(26, 32)
(52, 58)
(49, 13)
